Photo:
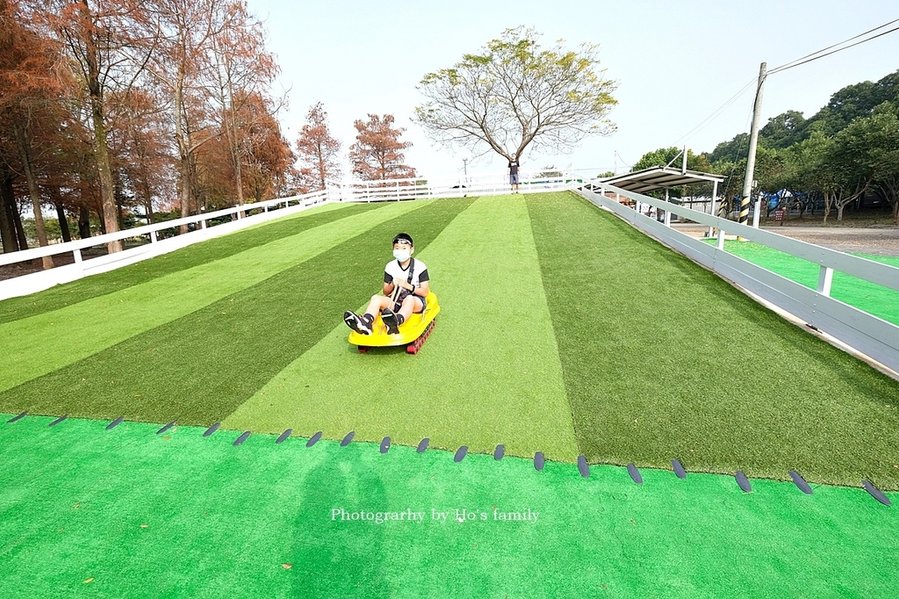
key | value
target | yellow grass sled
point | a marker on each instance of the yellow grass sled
(413, 332)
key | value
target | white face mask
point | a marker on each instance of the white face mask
(402, 255)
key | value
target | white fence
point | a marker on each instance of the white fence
(351, 191)
(872, 336)
(38, 281)
(420, 188)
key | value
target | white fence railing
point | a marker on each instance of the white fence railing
(872, 336)
(81, 267)
(420, 188)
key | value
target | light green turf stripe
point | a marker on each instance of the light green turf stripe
(481, 379)
(43, 343)
(181, 515)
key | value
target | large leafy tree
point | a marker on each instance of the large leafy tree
(863, 157)
(883, 153)
(783, 130)
(731, 151)
(514, 94)
(96, 44)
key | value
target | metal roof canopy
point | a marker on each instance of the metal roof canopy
(659, 177)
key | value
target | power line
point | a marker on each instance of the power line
(835, 45)
(717, 111)
(623, 161)
(824, 51)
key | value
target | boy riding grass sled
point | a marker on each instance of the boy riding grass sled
(406, 285)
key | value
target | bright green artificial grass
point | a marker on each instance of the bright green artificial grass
(127, 513)
(194, 255)
(490, 373)
(200, 367)
(50, 340)
(663, 360)
(870, 297)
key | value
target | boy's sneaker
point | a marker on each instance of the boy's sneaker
(390, 319)
(355, 322)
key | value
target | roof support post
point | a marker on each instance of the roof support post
(714, 206)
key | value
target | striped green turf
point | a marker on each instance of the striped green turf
(48, 340)
(199, 367)
(127, 513)
(870, 297)
(490, 373)
(663, 360)
(194, 255)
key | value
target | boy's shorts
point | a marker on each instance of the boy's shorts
(399, 304)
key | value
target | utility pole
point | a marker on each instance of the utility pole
(753, 143)
(465, 169)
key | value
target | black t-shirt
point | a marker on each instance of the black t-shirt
(513, 167)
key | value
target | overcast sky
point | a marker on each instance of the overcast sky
(675, 62)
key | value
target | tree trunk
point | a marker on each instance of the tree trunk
(102, 222)
(60, 214)
(184, 189)
(238, 178)
(840, 207)
(321, 166)
(20, 230)
(119, 204)
(183, 141)
(7, 205)
(84, 222)
(101, 148)
(63, 222)
(33, 193)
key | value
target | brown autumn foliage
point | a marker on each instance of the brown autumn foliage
(318, 151)
(377, 153)
(265, 158)
(122, 96)
(31, 80)
(140, 158)
(268, 156)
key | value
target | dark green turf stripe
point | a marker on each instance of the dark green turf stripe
(198, 368)
(178, 515)
(662, 359)
(194, 255)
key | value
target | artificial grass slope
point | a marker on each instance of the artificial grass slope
(663, 360)
(199, 367)
(489, 375)
(870, 297)
(195, 255)
(127, 513)
(50, 340)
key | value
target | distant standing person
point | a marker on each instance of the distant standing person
(513, 174)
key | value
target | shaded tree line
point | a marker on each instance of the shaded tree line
(847, 151)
